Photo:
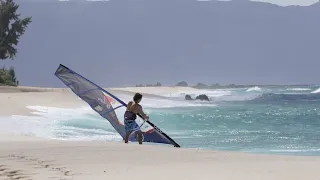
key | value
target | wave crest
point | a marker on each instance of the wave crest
(316, 91)
(268, 97)
(256, 88)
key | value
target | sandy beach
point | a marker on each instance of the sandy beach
(26, 157)
(15, 99)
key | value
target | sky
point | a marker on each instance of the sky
(128, 42)
(291, 2)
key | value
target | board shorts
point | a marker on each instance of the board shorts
(131, 125)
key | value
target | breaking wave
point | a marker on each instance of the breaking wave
(316, 91)
(255, 94)
(272, 97)
(256, 88)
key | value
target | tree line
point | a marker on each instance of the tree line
(12, 27)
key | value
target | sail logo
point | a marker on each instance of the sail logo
(102, 100)
(107, 100)
(110, 99)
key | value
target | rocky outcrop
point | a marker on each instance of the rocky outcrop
(202, 86)
(182, 83)
(203, 97)
(188, 97)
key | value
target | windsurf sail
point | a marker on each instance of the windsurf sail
(105, 104)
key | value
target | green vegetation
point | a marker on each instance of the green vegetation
(8, 77)
(11, 29)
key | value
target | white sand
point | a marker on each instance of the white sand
(40, 159)
(14, 102)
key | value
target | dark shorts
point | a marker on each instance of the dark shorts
(131, 125)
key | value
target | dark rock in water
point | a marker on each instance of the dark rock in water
(203, 97)
(188, 97)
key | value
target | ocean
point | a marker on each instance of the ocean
(280, 120)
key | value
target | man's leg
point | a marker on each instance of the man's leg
(140, 137)
(127, 136)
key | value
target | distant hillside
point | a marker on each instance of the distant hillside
(182, 83)
(124, 41)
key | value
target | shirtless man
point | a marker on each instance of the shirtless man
(134, 108)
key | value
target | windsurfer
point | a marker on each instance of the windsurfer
(134, 108)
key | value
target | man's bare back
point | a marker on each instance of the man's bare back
(137, 109)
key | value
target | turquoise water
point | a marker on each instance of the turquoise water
(275, 121)
(283, 120)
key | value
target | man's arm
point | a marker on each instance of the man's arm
(145, 117)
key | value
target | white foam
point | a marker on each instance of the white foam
(295, 150)
(214, 96)
(164, 103)
(316, 91)
(60, 112)
(298, 89)
(256, 88)
(49, 124)
(210, 93)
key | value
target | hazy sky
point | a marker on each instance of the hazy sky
(282, 2)
(128, 42)
(290, 2)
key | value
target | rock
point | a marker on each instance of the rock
(203, 97)
(182, 84)
(215, 86)
(188, 97)
(201, 86)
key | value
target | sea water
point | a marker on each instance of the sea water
(281, 120)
